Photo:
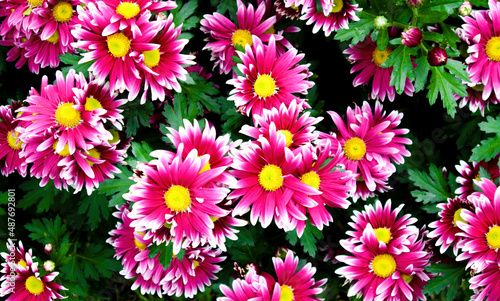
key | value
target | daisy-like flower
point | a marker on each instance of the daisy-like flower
(244, 289)
(336, 14)
(56, 18)
(175, 192)
(162, 67)
(289, 10)
(371, 141)
(55, 110)
(16, 256)
(486, 284)
(17, 17)
(195, 272)
(113, 52)
(43, 53)
(298, 130)
(484, 59)
(474, 99)
(224, 35)
(266, 183)
(268, 79)
(470, 173)
(480, 229)
(446, 228)
(367, 59)
(10, 144)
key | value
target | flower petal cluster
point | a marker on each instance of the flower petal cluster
(333, 16)
(10, 144)
(475, 171)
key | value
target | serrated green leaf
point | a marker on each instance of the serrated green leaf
(47, 231)
(117, 187)
(184, 11)
(486, 150)
(358, 30)
(141, 151)
(403, 68)
(449, 35)
(432, 36)
(447, 276)
(94, 206)
(382, 39)
(491, 125)
(4, 199)
(446, 85)
(433, 184)
(421, 73)
(458, 69)
(42, 197)
(136, 114)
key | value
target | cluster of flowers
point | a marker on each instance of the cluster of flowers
(64, 132)
(121, 40)
(21, 279)
(388, 255)
(293, 283)
(469, 223)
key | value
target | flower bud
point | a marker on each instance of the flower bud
(465, 9)
(48, 248)
(411, 37)
(414, 3)
(437, 56)
(380, 22)
(49, 266)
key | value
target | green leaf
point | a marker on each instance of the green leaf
(358, 30)
(183, 12)
(94, 206)
(73, 60)
(433, 184)
(403, 68)
(42, 197)
(457, 68)
(446, 85)
(421, 73)
(432, 36)
(428, 16)
(136, 114)
(166, 253)
(4, 199)
(308, 239)
(117, 187)
(382, 39)
(141, 152)
(449, 34)
(486, 150)
(47, 231)
(491, 125)
(448, 276)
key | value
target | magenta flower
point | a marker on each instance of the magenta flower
(475, 99)
(10, 144)
(470, 173)
(335, 15)
(224, 35)
(437, 56)
(268, 79)
(411, 37)
(486, 284)
(56, 19)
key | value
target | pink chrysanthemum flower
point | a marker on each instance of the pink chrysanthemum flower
(475, 99)
(175, 192)
(224, 35)
(193, 273)
(298, 130)
(291, 10)
(55, 19)
(44, 53)
(446, 228)
(266, 183)
(371, 141)
(55, 110)
(367, 59)
(244, 289)
(162, 67)
(10, 144)
(268, 80)
(113, 52)
(469, 173)
(380, 176)
(335, 15)
(297, 284)
(483, 61)
(486, 284)
(480, 229)
(11, 263)
(17, 16)
(374, 271)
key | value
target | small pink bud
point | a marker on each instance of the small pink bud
(411, 37)
(437, 56)
(49, 266)
(414, 3)
(48, 248)
(465, 9)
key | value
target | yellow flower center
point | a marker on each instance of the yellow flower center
(94, 154)
(383, 234)
(196, 263)
(270, 30)
(288, 136)
(205, 167)
(264, 86)
(128, 10)
(118, 44)
(337, 6)
(91, 104)
(407, 278)
(12, 140)
(384, 265)
(354, 149)
(311, 178)
(478, 87)
(151, 58)
(270, 177)
(286, 293)
(493, 49)
(54, 38)
(242, 37)
(64, 152)
(116, 136)
(457, 217)
(62, 12)
(34, 285)
(379, 57)
(35, 3)
(177, 198)
(23, 263)
(68, 116)
(493, 237)
(214, 219)
(140, 245)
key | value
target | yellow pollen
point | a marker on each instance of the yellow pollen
(354, 149)
(12, 140)
(264, 86)
(151, 58)
(384, 265)
(478, 177)
(140, 245)
(62, 12)
(94, 154)
(242, 37)
(311, 178)
(23, 263)
(271, 177)
(293, 6)
(177, 198)
(67, 116)
(54, 38)
(270, 30)
(35, 3)
(493, 49)
(64, 152)
(205, 167)
(116, 136)
(214, 219)
(493, 237)
(286, 293)
(128, 10)
(379, 57)
(196, 263)
(288, 136)
(337, 6)
(34, 285)
(118, 44)
(383, 234)
(478, 87)
(457, 217)
(91, 104)
(407, 278)
(167, 225)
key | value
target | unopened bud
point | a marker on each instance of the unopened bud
(437, 56)
(49, 266)
(465, 9)
(48, 248)
(380, 22)
(414, 3)
(411, 37)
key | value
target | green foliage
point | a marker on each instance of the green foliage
(446, 85)
(308, 240)
(117, 187)
(433, 188)
(72, 60)
(401, 61)
(136, 115)
(357, 31)
(183, 14)
(165, 253)
(489, 147)
(448, 276)
(94, 207)
(42, 197)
